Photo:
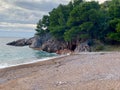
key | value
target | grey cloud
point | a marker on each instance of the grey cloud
(20, 16)
(25, 11)
(38, 6)
(24, 29)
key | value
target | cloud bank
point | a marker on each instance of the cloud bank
(24, 14)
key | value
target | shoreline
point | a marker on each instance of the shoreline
(81, 71)
(51, 58)
(54, 57)
(34, 62)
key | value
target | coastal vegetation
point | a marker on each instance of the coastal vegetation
(78, 26)
(82, 20)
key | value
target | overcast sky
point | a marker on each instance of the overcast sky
(22, 15)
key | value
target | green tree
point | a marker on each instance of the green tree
(42, 25)
(114, 26)
(114, 9)
(89, 18)
(82, 20)
(58, 19)
(77, 2)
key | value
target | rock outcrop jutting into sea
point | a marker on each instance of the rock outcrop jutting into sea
(50, 44)
(21, 42)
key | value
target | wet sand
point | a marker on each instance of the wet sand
(84, 71)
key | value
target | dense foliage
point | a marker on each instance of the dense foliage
(81, 20)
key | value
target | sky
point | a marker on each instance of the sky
(22, 15)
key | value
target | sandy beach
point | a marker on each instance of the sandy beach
(84, 71)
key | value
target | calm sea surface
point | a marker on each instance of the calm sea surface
(10, 55)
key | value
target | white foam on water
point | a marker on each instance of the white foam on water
(5, 65)
(13, 56)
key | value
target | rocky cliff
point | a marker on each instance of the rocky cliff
(50, 44)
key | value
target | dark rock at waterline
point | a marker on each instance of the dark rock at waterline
(29, 41)
(21, 42)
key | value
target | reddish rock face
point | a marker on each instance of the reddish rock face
(64, 51)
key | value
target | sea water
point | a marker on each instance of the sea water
(11, 55)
